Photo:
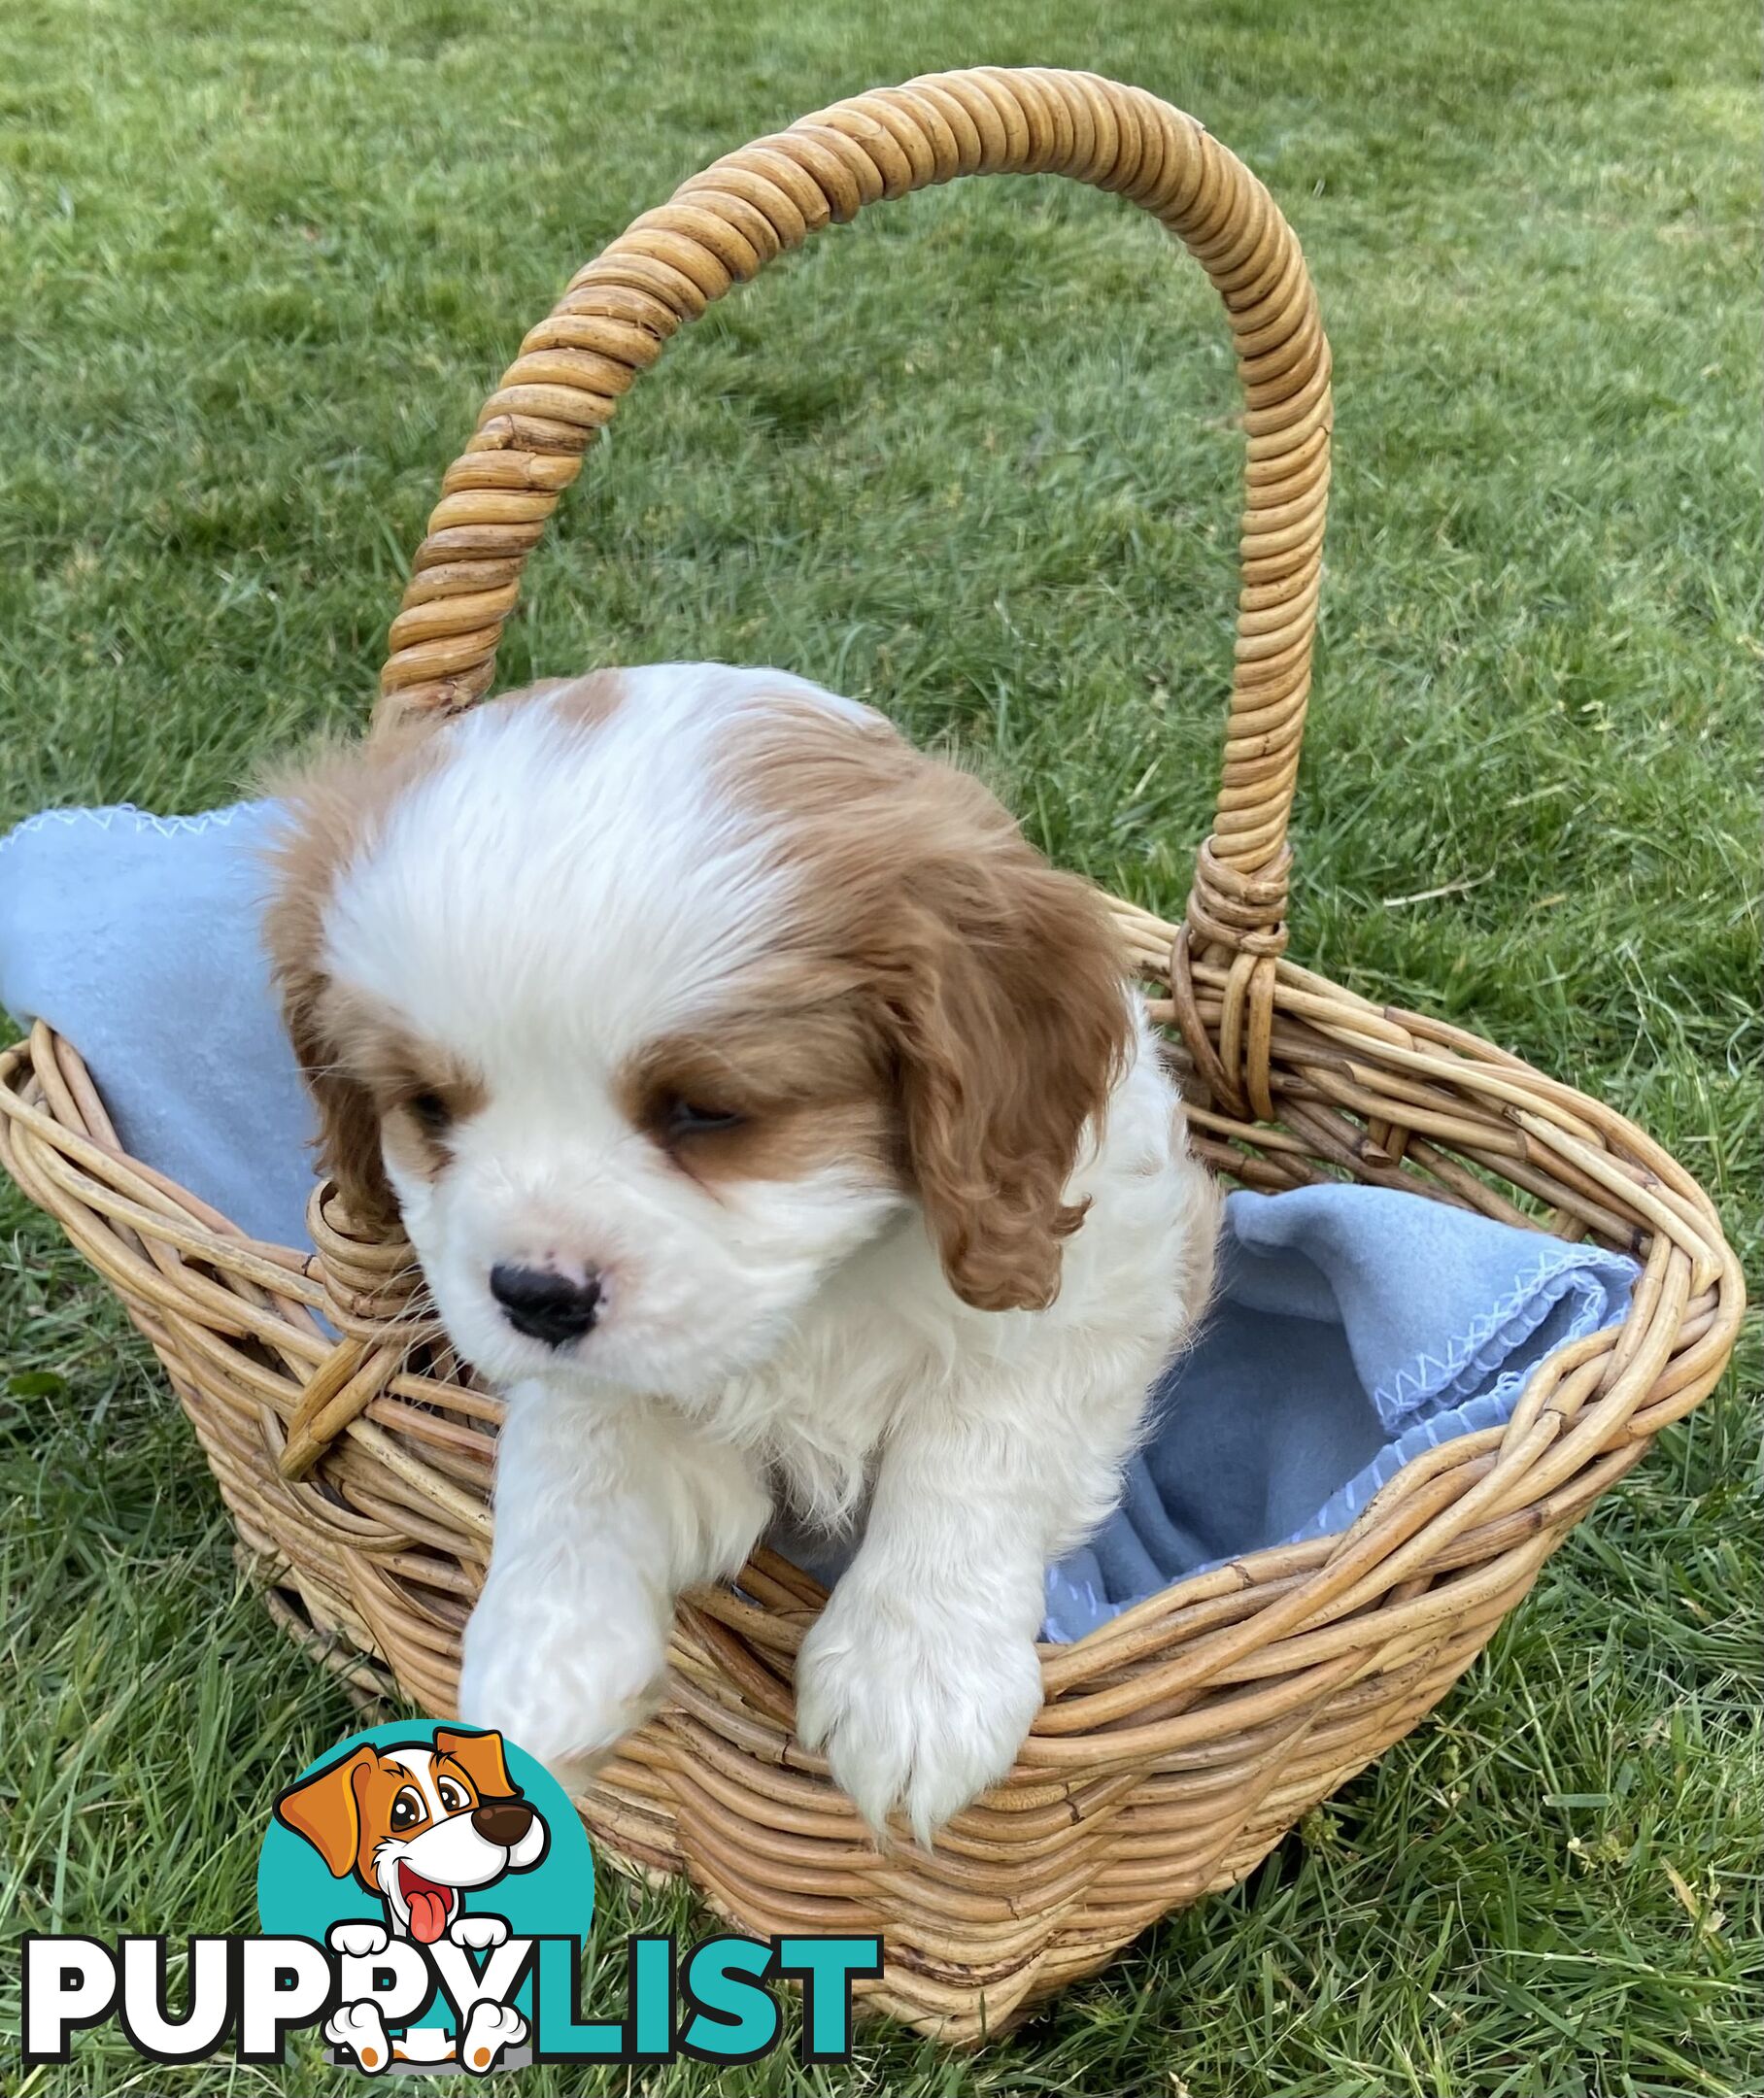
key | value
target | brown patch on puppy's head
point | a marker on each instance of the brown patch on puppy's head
(336, 804)
(772, 1093)
(984, 987)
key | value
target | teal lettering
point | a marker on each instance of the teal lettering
(558, 2035)
(735, 2018)
(651, 1997)
(828, 1966)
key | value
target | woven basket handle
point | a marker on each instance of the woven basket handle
(723, 225)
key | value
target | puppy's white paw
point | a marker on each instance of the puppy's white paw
(359, 2028)
(359, 1940)
(492, 2027)
(478, 1932)
(566, 1691)
(920, 1713)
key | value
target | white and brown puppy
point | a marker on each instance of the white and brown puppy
(771, 1124)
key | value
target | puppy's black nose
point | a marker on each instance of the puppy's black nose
(546, 1305)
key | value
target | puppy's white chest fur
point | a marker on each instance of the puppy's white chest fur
(887, 1342)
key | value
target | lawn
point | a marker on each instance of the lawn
(974, 460)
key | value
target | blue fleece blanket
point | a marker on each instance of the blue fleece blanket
(1354, 1328)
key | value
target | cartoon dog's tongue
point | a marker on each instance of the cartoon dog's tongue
(428, 1906)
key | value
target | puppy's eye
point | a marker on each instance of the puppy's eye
(677, 1118)
(452, 1796)
(430, 1113)
(407, 1811)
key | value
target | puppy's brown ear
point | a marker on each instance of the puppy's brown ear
(1013, 1025)
(325, 813)
(482, 1758)
(326, 1809)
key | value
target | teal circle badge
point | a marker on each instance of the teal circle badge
(427, 1856)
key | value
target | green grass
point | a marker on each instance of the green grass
(974, 458)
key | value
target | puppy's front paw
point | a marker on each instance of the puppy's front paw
(917, 1712)
(566, 1691)
(478, 1932)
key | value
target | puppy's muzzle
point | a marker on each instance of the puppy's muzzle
(502, 1822)
(544, 1305)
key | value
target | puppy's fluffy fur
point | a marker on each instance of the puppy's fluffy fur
(701, 987)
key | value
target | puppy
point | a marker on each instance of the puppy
(772, 1125)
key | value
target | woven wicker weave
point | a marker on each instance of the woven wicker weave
(1179, 1742)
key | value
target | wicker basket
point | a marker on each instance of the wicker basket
(1178, 1743)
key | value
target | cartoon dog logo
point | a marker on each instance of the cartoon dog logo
(420, 1825)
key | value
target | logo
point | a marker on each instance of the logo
(425, 1893)
(427, 1858)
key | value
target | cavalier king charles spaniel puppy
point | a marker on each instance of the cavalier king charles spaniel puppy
(777, 1131)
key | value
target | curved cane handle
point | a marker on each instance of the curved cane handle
(722, 226)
